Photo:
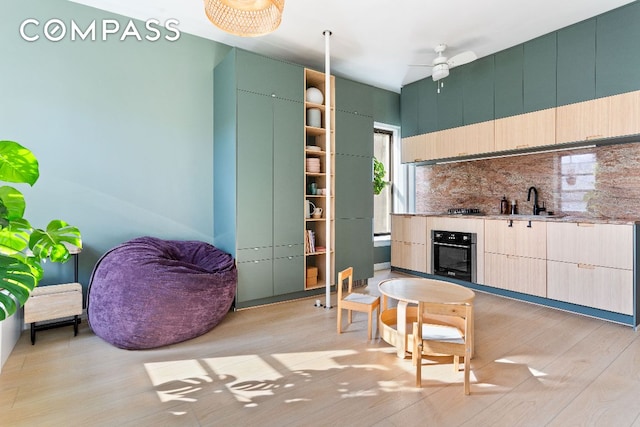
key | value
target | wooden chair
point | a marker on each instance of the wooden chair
(354, 301)
(447, 329)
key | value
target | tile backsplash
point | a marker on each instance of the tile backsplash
(598, 182)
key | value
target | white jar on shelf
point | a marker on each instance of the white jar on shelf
(314, 117)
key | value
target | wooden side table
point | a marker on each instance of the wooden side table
(55, 302)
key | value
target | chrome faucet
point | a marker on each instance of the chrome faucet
(536, 209)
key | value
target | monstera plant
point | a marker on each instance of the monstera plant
(23, 248)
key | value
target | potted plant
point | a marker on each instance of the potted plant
(378, 177)
(23, 248)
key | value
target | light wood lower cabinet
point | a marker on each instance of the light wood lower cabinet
(515, 256)
(409, 242)
(514, 273)
(605, 288)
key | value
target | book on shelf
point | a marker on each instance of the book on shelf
(310, 242)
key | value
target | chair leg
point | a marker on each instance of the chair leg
(339, 320)
(369, 325)
(349, 317)
(467, 369)
(456, 363)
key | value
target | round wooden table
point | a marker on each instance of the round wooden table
(411, 290)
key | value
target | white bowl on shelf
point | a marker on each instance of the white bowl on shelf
(314, 95)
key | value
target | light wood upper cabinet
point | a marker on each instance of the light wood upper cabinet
(479, 138)
(583, 121)
(417, 148)
(624, 114)
(606, 245)
(526, 130)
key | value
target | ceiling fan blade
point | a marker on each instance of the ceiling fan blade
(461, 59)
(421, 65)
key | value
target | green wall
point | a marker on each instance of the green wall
(123, 130)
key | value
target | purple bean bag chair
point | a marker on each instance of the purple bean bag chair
(148, 292)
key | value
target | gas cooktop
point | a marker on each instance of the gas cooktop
(463, 211)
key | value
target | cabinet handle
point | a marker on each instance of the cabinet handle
(273, 95)
(256, 249)
(529, 225)
(462, 154)
(585, 224)
(594, 137)
(418, 160)
(256, 262)
(522, 146)
(290, 257)
(512, 257)
(587, 266)
(510, 222)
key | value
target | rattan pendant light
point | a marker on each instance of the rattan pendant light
(245, 18)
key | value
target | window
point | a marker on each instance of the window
(382, 203)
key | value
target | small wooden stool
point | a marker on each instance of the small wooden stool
(53, 302)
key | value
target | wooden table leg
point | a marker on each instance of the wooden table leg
(401, 325)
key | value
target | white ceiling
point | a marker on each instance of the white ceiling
(375, 41)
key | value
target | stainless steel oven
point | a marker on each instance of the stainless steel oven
(454, 254)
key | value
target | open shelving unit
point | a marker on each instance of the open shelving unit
(316, 137)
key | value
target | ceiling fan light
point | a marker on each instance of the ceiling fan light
(245, 18)
(440, 71)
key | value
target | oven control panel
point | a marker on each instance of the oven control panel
(454, 237)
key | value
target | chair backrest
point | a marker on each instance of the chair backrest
(458, 315)
(346, 274)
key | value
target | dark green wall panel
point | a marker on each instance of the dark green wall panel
(618, 51)
(409, 109)
(540, 73)
(478, 90)
(577, 63)
(508, 82)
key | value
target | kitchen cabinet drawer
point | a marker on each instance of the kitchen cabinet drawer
(411, 256)
(409, 228)
(624, 117)
(257, 280)
(287, 273)
(286, 251)
(254, 254)
(519, 274)
(519, 238)
(606, 245)
(608, 289)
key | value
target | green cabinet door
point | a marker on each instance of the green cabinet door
(540, 70)
(409, 109)
(576, 79)
(288, 275)
(288, 172)
(255, 280)
(354, 188)
(427, 106)
(259, 74)
(354, 134)
(353, 97)
(450, 101)
(354, 246)
(508, 82)
(478, 91)
(618, 51)
(254, 227)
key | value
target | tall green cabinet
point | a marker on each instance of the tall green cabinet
(354, 189)
(259, 174)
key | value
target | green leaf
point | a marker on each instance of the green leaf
(17, 163)
(14, 237)
(49, 243)
(13, 202)
(17, 281)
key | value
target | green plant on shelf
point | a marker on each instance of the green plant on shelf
(23, 248)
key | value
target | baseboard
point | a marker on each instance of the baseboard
(382, 266)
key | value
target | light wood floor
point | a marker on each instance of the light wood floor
(284, 365)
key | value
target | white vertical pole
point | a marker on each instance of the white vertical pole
(328, 171)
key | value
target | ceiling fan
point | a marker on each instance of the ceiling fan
(441, 64)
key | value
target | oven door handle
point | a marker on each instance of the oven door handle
(452, 245)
